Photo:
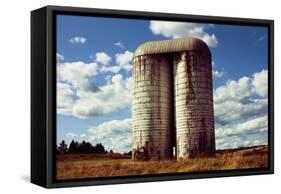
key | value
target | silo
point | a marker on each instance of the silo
(194, 101)
(152, 107)
(172, 100)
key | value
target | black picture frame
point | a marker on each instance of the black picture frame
(43, 94)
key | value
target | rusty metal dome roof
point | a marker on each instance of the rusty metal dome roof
(171, 46)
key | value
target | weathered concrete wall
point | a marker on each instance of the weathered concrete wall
(152, 108)
(193, 104)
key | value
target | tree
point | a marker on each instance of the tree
(62, 147)
(57, 149)
(85, 147)
(128, 153)
(76, 148)
(99, 148)
(73, 147)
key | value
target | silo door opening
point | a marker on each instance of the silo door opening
(174, 152)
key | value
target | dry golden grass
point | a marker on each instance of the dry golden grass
(90, 166)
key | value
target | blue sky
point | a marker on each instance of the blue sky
(94, 77)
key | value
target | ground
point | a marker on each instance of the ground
(76, 166)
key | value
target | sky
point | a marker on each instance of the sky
(94, 78)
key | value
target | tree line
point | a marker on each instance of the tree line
(81, 148)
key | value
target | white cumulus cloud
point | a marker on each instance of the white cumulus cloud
(77, 40)
(241, 141)
(124, 60)
(112, 69)
(233, 90)
(217, 74)
(114, 96)
(260, 83)
(114, 135)
(240, 99)
(78, 94)
(255, 125)
(65, 98)
(60, 57)
(240, 109)
(183, 29)
(231, 111)
(103, 58)
(79, 74)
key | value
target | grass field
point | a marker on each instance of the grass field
(75, 166)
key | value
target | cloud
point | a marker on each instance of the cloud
(60, 57)
(83, 135)
(71, 135)
(124, 60)
(112, 69)
(77, 40)
(79, 75)
(217, 74)
(248, 133)
(183, 29)
(75, 99)
(242, 141)
(252, 126)
(112, 97)
(233, 111)
(102, 58)
(240, 108)
(257, 39)
(114, 135)
(71, 78)
(119, 44)
(65, 98)
(241, 99)
(233, 90)
(261, 38)
(260, 83)
(78, 94)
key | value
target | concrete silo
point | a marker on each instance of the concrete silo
(193, 93)
(172, 100)
(152, 107)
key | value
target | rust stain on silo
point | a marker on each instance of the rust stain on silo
(172, 100)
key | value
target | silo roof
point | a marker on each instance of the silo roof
(171, 46)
